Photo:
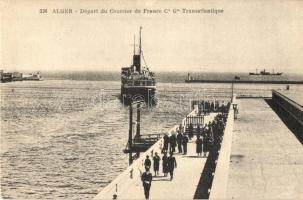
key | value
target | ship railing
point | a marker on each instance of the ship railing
(147, 138)
(139, 82)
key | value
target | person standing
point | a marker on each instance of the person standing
(164, 164)
(156, 164)
(184, 144)
(166, 141)
(205, 143)
(190, 131)
(147, 162)
(146, 179)
(180, 127)
(173, 140)
(179, 141)
(199, 144)
(172, 164)
(198, 130)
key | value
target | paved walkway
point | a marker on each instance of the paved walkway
(183, 186)
(266, 158)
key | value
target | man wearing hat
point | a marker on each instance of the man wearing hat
(146, 180)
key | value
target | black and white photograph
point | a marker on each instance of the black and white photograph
(151, 99)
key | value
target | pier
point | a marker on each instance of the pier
(259, 158)
(265, 158)
(189, 176)
(184, 185)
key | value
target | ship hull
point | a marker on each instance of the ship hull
(131, 94)
(266, 74)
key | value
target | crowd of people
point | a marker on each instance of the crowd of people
(207, 136)
(210, 135)
(213, 106)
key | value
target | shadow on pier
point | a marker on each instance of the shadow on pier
(206, 179)
(294, 126)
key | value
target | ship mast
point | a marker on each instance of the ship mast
(134, 44)
(140, 51)
(137, 56)
(140, 41)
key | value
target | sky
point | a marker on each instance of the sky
(247, 35)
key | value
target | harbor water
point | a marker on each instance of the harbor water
(64, 139)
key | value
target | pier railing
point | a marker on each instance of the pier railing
(219, 184)
(132, 172)
(191, 115)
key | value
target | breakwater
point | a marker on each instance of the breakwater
(245, 81)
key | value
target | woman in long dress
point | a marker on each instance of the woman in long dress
(199, 144)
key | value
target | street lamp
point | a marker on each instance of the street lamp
(232, 86)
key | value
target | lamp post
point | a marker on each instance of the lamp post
(232, 86)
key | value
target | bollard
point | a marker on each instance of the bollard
(115, 195)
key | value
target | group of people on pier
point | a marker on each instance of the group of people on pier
(171, 142)
(207, 137)
(211, 106)
(210, 135)
(169, 163)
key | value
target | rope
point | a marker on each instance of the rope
(144, 60)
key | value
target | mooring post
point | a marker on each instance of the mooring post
(130, 134)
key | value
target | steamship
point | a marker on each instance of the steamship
(264, 72)
(137, 81)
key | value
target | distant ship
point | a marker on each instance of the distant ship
(263, 72)
(137, 82)
(17, 76)
(33, 77)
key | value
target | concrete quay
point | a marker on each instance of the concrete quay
(128, 185)
(294, 95)
(290, 102)
(266, 160)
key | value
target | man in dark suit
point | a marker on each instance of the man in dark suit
(146, 179)
(172, 164)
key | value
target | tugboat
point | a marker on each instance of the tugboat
(137, 82)
(263, 72)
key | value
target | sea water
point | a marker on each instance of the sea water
(64, 139)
